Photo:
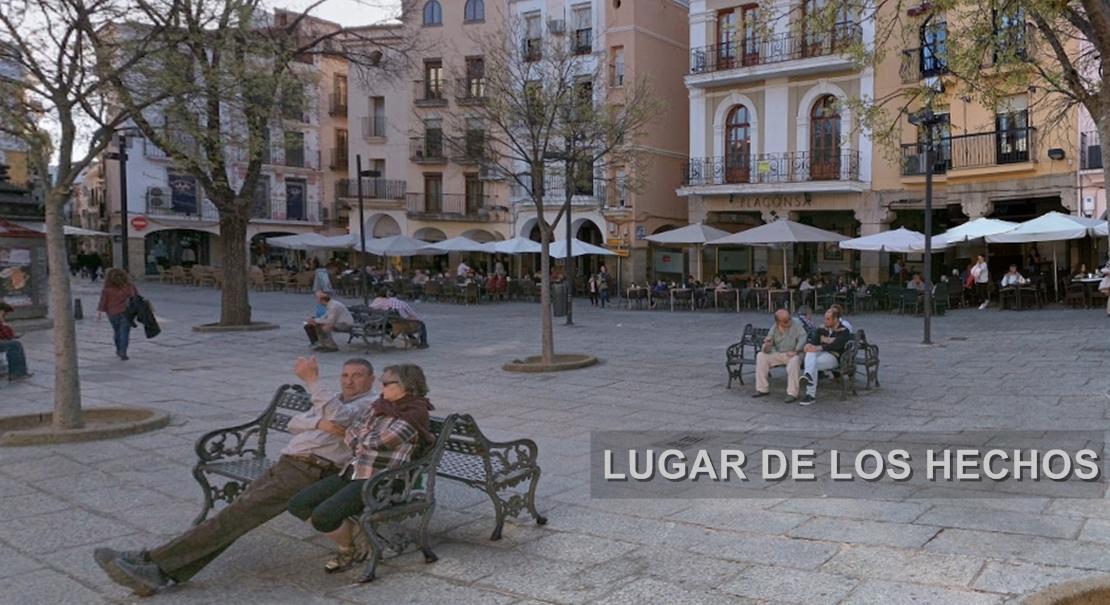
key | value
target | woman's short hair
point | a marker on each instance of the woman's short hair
(411, 377)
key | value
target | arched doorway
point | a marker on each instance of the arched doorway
(738, 146)
(588, 231)
(382, 225)
(824, 139)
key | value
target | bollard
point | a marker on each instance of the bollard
(78, 312)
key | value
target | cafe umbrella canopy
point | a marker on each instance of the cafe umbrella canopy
(1050, 227)
(780, 233)
(695, 235)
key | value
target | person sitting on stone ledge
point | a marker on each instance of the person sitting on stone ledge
(10, 345)
(316, 451)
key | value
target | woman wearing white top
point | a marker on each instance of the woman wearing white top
(982, 281)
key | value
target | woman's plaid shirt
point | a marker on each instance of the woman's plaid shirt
(379, 442)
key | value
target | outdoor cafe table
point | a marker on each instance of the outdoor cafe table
(1089, 285)
(717, 298)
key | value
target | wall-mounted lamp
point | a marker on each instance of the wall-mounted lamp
(1055, 153)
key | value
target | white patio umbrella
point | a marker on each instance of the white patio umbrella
(577, 248)
(696, 235)
(780, 232)
(899, 240)
(69, 229)
(397, 245)
(517, 245)
(1050, 227)
(1102, 230)
(462, 244)
(972, 230)
(299, 241)
(338, 242)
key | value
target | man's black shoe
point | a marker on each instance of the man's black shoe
(758, 394)
(106, 556)
(144, 579)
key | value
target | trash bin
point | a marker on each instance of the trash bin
(559, 299)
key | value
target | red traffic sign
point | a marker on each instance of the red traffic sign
(139, 223)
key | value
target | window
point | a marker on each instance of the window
(726, 30)
(339, 96)
(749, 29)
(824, 139)
(475, 194)
(293, 102)
(1009, 32)
(475, 138)
(534, 106)
(942, 143)
(433, 13)
(339, 155)
(617, 79)
(433, 192)
(475, 78)
(433, 80)
(582, 103)
(295, 191)
(820, 36)
(934, 48)
(1012, 130)
(375, 122)
(433, 137)
(294, 150)
(475, 10)
(532, 31)
(183, 193)
(738, 133)
(582, 40)
(260, 207)
(584, 177)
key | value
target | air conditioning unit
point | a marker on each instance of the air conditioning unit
(157, 198)
(490, 173)
(325, 213)
(557, 26)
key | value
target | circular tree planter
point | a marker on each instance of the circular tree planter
(254, 326)
(567, 361)
(102, 423)
(1088, 591)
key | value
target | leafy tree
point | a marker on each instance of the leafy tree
(235, 72)
(53, 78)
(553, 126)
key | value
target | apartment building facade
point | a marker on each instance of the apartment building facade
(620, 41)
(171, 221)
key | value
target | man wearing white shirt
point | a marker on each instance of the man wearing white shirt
(317, 450)
(463, 269)
(1013, 278)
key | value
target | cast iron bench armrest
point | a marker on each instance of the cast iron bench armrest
(236, 441)
(736, 354)
(400, 493)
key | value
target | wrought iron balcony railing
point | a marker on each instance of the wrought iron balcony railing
(921, 63)
(776, 48)
(458, 204)
(372, 189)
(978, 150)
(789, 167)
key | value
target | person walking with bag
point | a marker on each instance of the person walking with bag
(114, 299)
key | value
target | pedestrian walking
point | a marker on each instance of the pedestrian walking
(114, 297)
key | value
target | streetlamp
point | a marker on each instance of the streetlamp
(359, 173)
(568, 183)
(928, 120)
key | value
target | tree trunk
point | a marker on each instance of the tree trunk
(67, 383)
(547, 338)
(235, 308)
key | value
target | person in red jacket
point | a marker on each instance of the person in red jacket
(9, 344)
(117, 291)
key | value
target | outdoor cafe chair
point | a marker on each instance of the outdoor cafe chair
(910, 297)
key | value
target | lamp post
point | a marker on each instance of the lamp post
(928, 120)
(359, 173)
(121, 155)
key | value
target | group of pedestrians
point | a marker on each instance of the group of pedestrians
(342, 441)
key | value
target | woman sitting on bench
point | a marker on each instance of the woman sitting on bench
(387, 436)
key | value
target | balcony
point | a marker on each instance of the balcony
(429, 93)
(582, 41)
(921, 63)
(152, 151)
(471, 149)
(373, 127)
(338, 104)
(339, 159)
(298, 157)
(160, 201)
(531, 49)
(427, 149)
(771, 168)
(1090, 151)
(372, 189)
(448, 206)
(470, 91)
(998, 148)
(787, 53)
(587, 194)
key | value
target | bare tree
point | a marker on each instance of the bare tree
(55, 47)
(549, 118)
(235, 72)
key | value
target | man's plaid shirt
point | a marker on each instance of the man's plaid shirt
(394, 304)
(379, 442)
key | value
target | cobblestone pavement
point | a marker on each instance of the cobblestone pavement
(661, 370)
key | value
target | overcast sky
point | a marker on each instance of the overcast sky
(347, 12)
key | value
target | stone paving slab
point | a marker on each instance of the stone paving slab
(660, 370)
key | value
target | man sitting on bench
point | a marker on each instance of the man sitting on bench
(782, 347)
(316, 451)
(337, 318)
(410, 325)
